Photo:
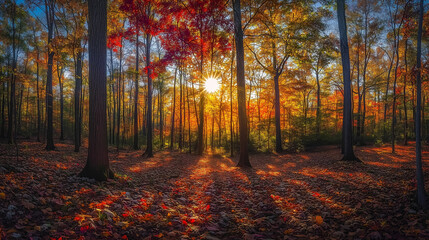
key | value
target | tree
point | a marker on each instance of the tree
(345, 59)
(136, 96)
(97, 165)
(50, 14)
(241, 86)
(421, 193)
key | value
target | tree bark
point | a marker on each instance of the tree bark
(421, 193)
(241, 87)
(77, 94)
(149, 145)
(97, 165)
(61, 85)
(136, 97)
(12, 108)
(49, 8)
(173, 112)
(405, 95)
(345, 59)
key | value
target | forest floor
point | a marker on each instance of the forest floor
(311, 195)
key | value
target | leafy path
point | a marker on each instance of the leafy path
(181, 196)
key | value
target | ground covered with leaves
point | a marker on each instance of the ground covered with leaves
(175, 195)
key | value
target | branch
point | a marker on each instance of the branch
(257, 59)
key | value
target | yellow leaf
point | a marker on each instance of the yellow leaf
(2, 195)
(319, 220)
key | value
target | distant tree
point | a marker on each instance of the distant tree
(97, 165)
(347, 118)
(241, 86)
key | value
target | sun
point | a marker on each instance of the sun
(211, 85)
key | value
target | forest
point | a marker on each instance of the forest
(214, 119)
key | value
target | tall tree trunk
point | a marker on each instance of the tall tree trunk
(421, 193)
(161, 113)
(149, 144)
(97, 165)
(358, 92)
(38, 95)
(394, 94)
(61, 84)
(386, 96)
(279, 147)
(230, 102)
(180, 111)
(21, 93)
(200, 138)
(405, 95)
(345, 59)
(12, 108)
(241, 87)
(136, 97)
(173, 112)
(318, 114)
(49, 8)
(77, 94)
(189, 120)
(119, 89)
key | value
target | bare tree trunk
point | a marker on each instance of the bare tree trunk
(241, 87)
(189, 120)
(149, 144)
(136, 97)
(421, 193)
(49, 8)
(118, 115)
(12, 108)
(38, 96)
(174, 111)
(347, 120)
(394, 94)
(230, 102)
(77, 99)
(405, 95)
(60, 80)
(97, 165)
(180, 111)
(279, 147)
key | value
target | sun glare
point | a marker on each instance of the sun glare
(211, 85)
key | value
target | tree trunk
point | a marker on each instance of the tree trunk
(358, 92)
(136, 97)
(189, 120)
(61, 85)
(345, 59)
(149, 145)
(277, 114)
(49, 6)
(180, 111)
(12, 108)
(394, 94)
(241, 87)
(118, 114)
(97, 165)
(421, 193)
(173, 111)
(77, 94)
(318, 114)
(405, 95)
(230, 102)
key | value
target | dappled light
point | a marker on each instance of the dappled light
(170, 196)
